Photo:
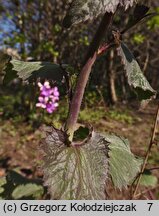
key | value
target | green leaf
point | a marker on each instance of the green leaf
(148, 180)
(153, 23)
(32, 70)
(136, 79)
(2, 183)
(80, 170)
(76, 172)
(123, 165)
(28, 190)
(82, 10)
(16, 186)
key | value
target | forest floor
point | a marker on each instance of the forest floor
(19, 143)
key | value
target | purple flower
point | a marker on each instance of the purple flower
(48, 98)
(51, 107)
(45, 90)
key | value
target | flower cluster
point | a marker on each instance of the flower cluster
(48, 98)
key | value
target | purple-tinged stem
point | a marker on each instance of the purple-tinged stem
(84, 75)
(78, 96)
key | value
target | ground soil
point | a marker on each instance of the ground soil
(19, 146)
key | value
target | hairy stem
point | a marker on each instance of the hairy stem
(147, 153)
(84, 75)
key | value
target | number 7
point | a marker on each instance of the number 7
(150, 205)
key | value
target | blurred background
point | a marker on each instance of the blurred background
(32, 31)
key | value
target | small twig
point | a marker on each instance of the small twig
(147, 154)
(147, 58)
(153, 168)
(146, 191)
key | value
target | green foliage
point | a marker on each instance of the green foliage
(74, 172)
(15, 186)
(148, 180)
(153, 23)
(92, 98)
(84, 40)
(20, 38)
(92, 115)
(47, 47)
(32, 70)
(82, 10)
(28, 190)
(123, 166)
(17, 104)
(57, 28)
(120, 116)
(138, 38)
(136, 79)
(2, 183)
(154, 157)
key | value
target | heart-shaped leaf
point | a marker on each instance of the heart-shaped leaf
(75, 172)
(82, 10)
(80, 170)
(136, 79)
(32, 70)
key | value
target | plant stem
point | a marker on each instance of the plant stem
(148, 153)
(84, 75)
(78, 96)
(101, 31)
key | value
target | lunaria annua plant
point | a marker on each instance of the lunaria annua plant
(79, 169)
